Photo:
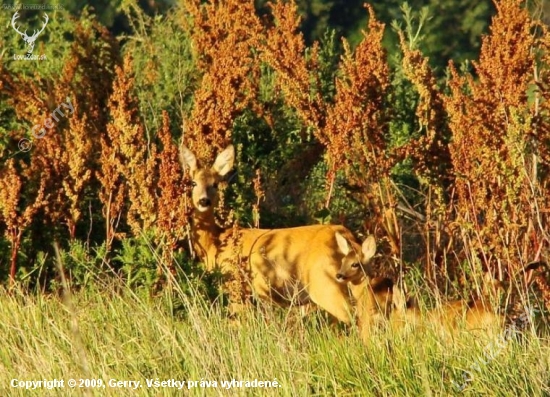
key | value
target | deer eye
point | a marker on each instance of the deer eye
(215, 185)
(193, 183)
(355, 265)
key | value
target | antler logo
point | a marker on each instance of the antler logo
(29, 39)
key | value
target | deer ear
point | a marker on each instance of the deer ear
(188, 159)
(368, 248)
(343, 244)
(224, 161)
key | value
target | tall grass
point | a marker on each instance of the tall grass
(113, 333)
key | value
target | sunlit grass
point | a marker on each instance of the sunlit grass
(118, 335)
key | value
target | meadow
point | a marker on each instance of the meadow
(112, 333)
(430, 132)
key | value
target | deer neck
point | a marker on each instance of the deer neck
(205, 237)
(373, 299)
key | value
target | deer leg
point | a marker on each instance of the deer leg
(330, 296)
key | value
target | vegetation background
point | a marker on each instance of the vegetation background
(425, 123)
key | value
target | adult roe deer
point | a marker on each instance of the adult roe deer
(320, 263)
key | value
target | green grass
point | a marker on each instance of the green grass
(112, 333)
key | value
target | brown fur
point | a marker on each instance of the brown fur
(473, 315)
(293, 265)
(351, 269)
(377, 301)
(405, 313)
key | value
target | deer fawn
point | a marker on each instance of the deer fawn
(471, 315)
(320, 264)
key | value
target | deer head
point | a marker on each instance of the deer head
(355, 263)
(205, 180)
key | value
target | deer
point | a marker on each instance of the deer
(320, 264)
(351, 271)
(477, 315)
(474, 315)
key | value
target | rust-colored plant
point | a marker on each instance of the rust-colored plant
(285, 51)
(353, 128)
(260, 194)
(173, 206)
(497, 138)
(225, 34)
(21, 195)
(67, 114)
(357, 129)
(429, 153)
(127, 161)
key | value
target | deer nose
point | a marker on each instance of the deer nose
(339, 276)
(205, 202)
